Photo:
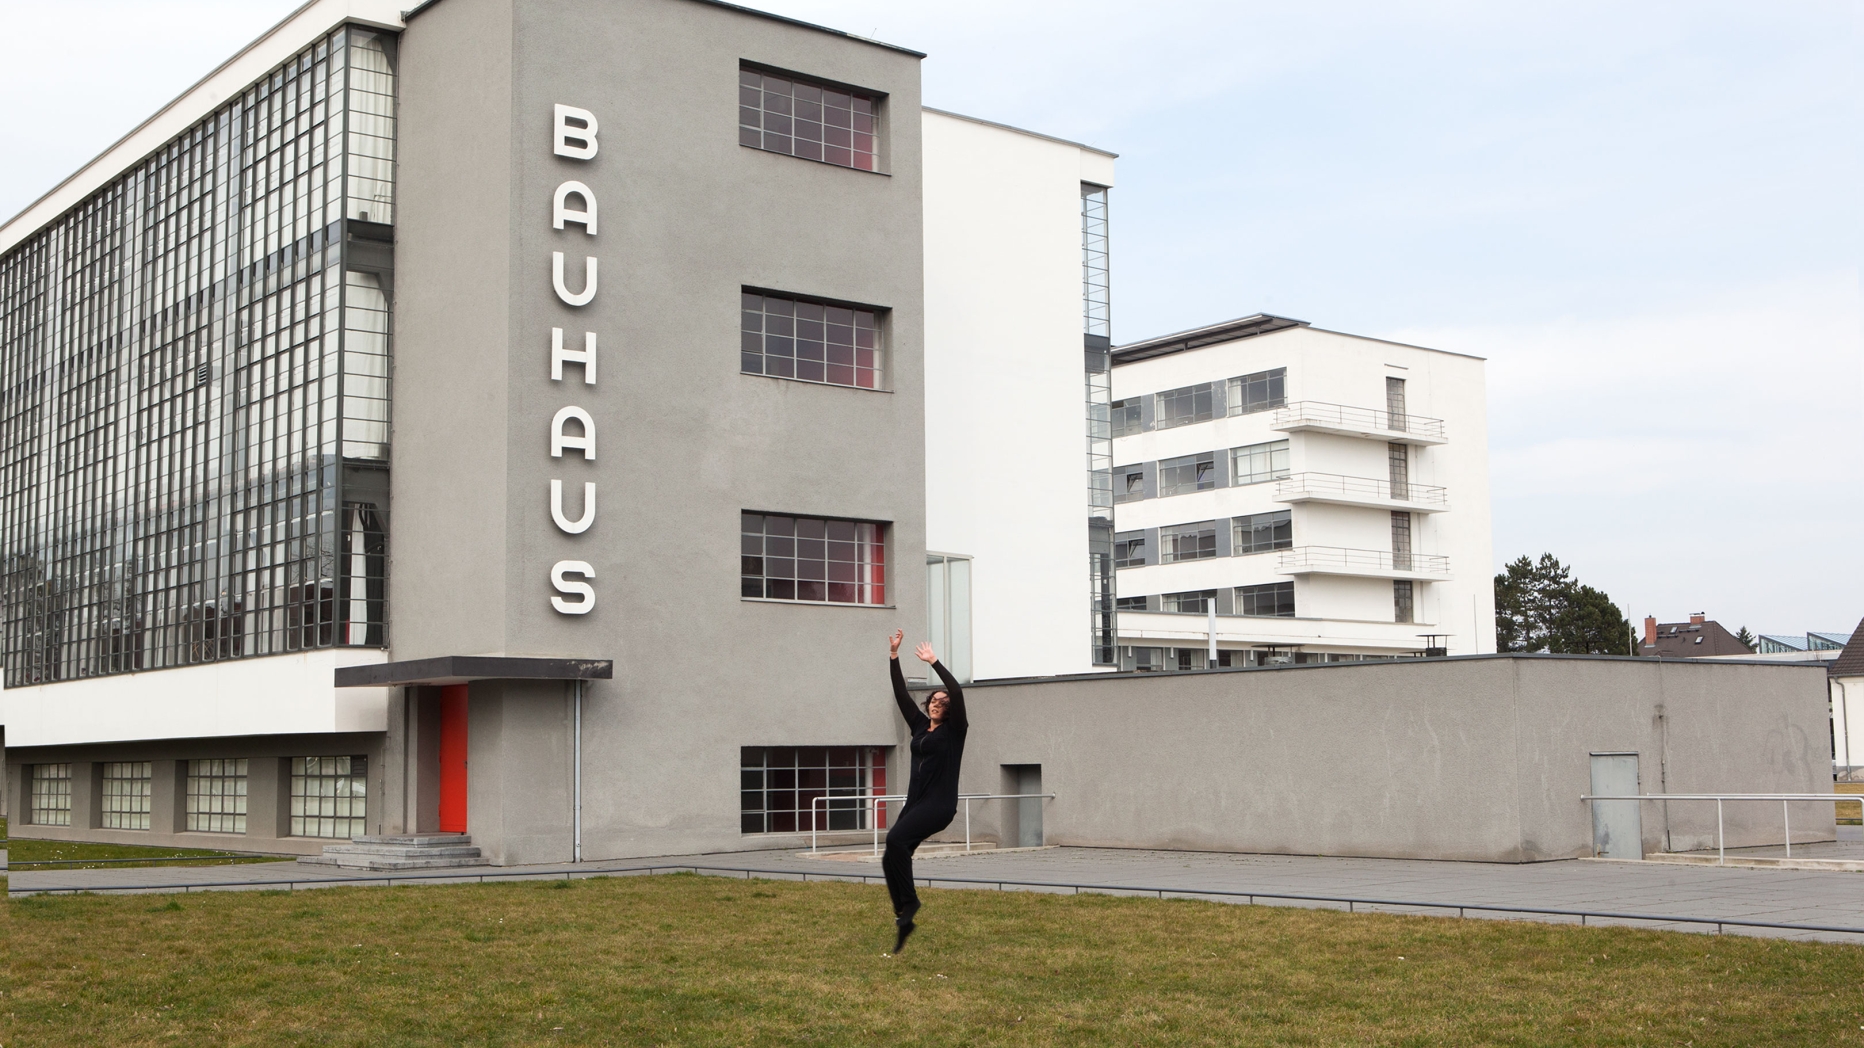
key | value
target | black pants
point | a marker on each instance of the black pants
(914, 825)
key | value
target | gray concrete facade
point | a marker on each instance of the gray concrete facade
(1474, 757)
(688, 218)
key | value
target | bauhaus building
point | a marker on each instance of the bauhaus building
(417, 384)
(529, 419)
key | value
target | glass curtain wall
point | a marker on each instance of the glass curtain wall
(194, 388)
(1098, 346)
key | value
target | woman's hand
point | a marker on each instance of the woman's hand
(926, 654)
(893, 642)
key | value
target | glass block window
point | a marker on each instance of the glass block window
(782, 788)
(1262, 532)
(1126, 417)
(1186, 405)
(1129, 483)
(1191, 601)
(329, 796)
(811, 341)
(128, 786)
(1129, 549)
(1274, 600)
(217, 796)
(813, 559)
(814, 121)
(1188, 542)
(1181, 476)
(1256, 463)
(1258, 392)
(49, 803)
(194, 359)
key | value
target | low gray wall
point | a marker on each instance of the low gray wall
(1476, 757)
(268, 819)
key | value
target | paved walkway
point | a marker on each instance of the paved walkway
(1785, 896)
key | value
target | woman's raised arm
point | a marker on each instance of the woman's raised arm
(915, 719)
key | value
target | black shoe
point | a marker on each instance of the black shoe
(906, 928)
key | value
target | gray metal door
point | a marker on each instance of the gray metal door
(1029, 809)
(1617, 829)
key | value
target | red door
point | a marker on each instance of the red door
(453, 758)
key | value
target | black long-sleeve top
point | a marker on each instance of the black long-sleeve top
(936, 753)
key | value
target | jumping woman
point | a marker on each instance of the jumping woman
(932, 792)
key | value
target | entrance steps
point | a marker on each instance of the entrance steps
(437, 851)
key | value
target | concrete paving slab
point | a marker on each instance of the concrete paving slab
(1658, 890)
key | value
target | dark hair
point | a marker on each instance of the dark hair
(926, 706)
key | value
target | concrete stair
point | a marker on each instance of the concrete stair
(437, 851)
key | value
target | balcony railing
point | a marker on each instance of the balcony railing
(1335, 486)
(1339, 561)
(1317, 414)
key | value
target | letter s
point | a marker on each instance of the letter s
(571, 586)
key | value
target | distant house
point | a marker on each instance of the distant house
(1846, 674)
(1780, 644)
(1696, 639)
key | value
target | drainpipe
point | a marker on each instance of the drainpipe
(576, 837)
(1663, 769)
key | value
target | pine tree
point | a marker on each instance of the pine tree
(1539, 607)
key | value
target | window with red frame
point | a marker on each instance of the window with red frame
(811, 341)
(813, 559)
(796, 789)
(814, 121)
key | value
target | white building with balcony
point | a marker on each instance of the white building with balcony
(1289, 494)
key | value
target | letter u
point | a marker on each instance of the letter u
(563, 292)
(564, 523)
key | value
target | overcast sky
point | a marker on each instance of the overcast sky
(1646, 216)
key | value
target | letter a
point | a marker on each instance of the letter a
(560, 440)
(561, 212)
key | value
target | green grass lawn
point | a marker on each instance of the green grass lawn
(693, 960)
(76, 855)
(1849, 814)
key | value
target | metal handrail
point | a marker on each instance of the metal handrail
(1721, 849)
(1339, 484)
(456, 876)
(1346, 416)
(1322, 557)
(967, 798)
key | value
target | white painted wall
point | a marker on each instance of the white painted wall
(1006, 422)
(275, 695)
(1334, 613)
(1847, 721)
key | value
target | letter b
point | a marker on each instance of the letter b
(576, 126)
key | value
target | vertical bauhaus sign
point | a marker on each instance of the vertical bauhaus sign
(572, 428)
